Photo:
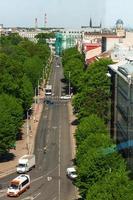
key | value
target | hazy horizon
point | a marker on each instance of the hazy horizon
(61, 13)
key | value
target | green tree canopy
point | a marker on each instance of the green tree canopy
(43, 36)
(115, 185)
(89, 125)
(10, 121)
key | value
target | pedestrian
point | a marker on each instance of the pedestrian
(45, 149)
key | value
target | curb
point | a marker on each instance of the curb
(7, 173)
(13, 169)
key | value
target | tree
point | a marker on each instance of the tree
(43, 36)
(98, 140)
(89, 125)
(115, 185)
(95, 93)
(26, 92)
(10, 121)
(12, 39)
(95, 166)
(33, 69)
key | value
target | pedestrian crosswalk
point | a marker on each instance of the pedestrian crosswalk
(57, 98)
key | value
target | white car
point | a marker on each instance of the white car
(66, 97)
(71, 173)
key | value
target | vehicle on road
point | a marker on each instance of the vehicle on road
(71, 173)
(45, 149)
(48, 90)
(66, 97)
(26, 163)
(18, 185)
(48, 101)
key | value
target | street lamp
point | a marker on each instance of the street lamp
(27, 130)
(69, 85)
(46, 72)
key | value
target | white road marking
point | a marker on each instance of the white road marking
(35, 196)
(36, 179)
(54, 198)
(49, 178)
(28, 198)
(54, 127)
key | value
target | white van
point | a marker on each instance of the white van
(18, 185)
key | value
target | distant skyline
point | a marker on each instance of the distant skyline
(65, 13)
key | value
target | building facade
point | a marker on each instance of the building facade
(122, 109)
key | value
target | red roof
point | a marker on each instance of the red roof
(90, 46)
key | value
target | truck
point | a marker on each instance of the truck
(26, 163)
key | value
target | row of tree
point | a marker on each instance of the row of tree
(21, 66)
(102, 172)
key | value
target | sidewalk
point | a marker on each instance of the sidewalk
(72, 118)
(9, 167)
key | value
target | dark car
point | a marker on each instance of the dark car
(47, 101)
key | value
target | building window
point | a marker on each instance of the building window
(122, 103)
(131, 90)
(123, 85)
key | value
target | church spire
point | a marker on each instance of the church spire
(100, 24)
(90, 23)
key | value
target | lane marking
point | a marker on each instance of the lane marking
(54, 198)
(49, 178)
(37, 179)
(36, 195)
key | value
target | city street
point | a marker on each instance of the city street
(48, 179)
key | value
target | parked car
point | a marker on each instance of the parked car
(71, 173)
(66, 97)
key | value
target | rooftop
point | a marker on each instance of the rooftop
(126, 69)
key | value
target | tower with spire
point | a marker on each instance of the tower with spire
(90, 22)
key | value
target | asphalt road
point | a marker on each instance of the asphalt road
(48, 179)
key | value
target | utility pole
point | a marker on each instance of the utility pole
(38, 93)
(27, 131)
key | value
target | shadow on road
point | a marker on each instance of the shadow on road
(75, 122)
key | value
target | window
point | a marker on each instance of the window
(25, 182)
(122, 103)
(123, 85)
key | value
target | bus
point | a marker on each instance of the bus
(48, 90)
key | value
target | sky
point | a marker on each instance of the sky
(65, 13)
